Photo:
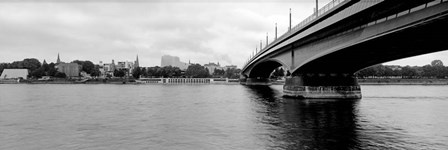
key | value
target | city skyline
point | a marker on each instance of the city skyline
(227, 32)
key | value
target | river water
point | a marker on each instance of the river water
(97, 117)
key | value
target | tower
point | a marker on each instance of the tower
(289, 29)
(136, 64)
(112, 66)
(58, 60)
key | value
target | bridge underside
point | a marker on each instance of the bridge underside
(416, 40)
(323, 64)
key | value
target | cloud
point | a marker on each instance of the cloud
(196, 30)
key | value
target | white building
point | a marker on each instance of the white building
(174, 61)
(107, 69)
(125, 65)
(229, 67)
(14, 74)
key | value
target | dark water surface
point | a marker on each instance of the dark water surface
(218, 117)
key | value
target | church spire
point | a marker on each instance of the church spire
(58, 60)
(136, 64)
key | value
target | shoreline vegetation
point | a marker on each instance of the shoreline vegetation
(361, 81)
(403, 81)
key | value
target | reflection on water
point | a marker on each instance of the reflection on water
(218, 117)
(388, 117)
(307, 123)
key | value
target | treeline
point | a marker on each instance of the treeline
(434, 70)
(231, 73)
(193, 71)
(37, 69)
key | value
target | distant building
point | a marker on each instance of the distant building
(101, 68)
(212, 66)
(125, 65)
(128, 66)
(229, 67)
(14, 74)
(174, 61)
(107, 69)
(394, 67)
(70, 69)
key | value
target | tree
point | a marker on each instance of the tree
(278, 72)
(408, 72)
(119, 73)
(171, 71)
(51, 70)
(197, 71)
(232, 73)
(31, 64)
(60, 75)
(86, 66)
(38, 73)
(96, 71)
(151, 71)
(16, 65)
(219, 72)
(45, 67)
(367, 72)
(435, 63)
(136, 73)
(207, 73)
(3, 66)
(428, 71)
(438, 69)
(143, 71)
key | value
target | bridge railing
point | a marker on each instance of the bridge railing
(396, 15)
(299, 26)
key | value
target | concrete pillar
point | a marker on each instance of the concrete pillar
(322, 86)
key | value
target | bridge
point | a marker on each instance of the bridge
(322, 53)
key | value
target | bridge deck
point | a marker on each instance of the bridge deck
(327, 16)
(338, 19)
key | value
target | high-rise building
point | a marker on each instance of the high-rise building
(174, 61)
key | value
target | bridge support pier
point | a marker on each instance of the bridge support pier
(322, 86)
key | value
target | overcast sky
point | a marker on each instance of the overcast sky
(198, 30)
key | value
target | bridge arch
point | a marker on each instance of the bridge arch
(264, 69)
(323, 55)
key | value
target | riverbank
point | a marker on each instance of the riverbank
(127, 81)
(403, 81)
(216, 81)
